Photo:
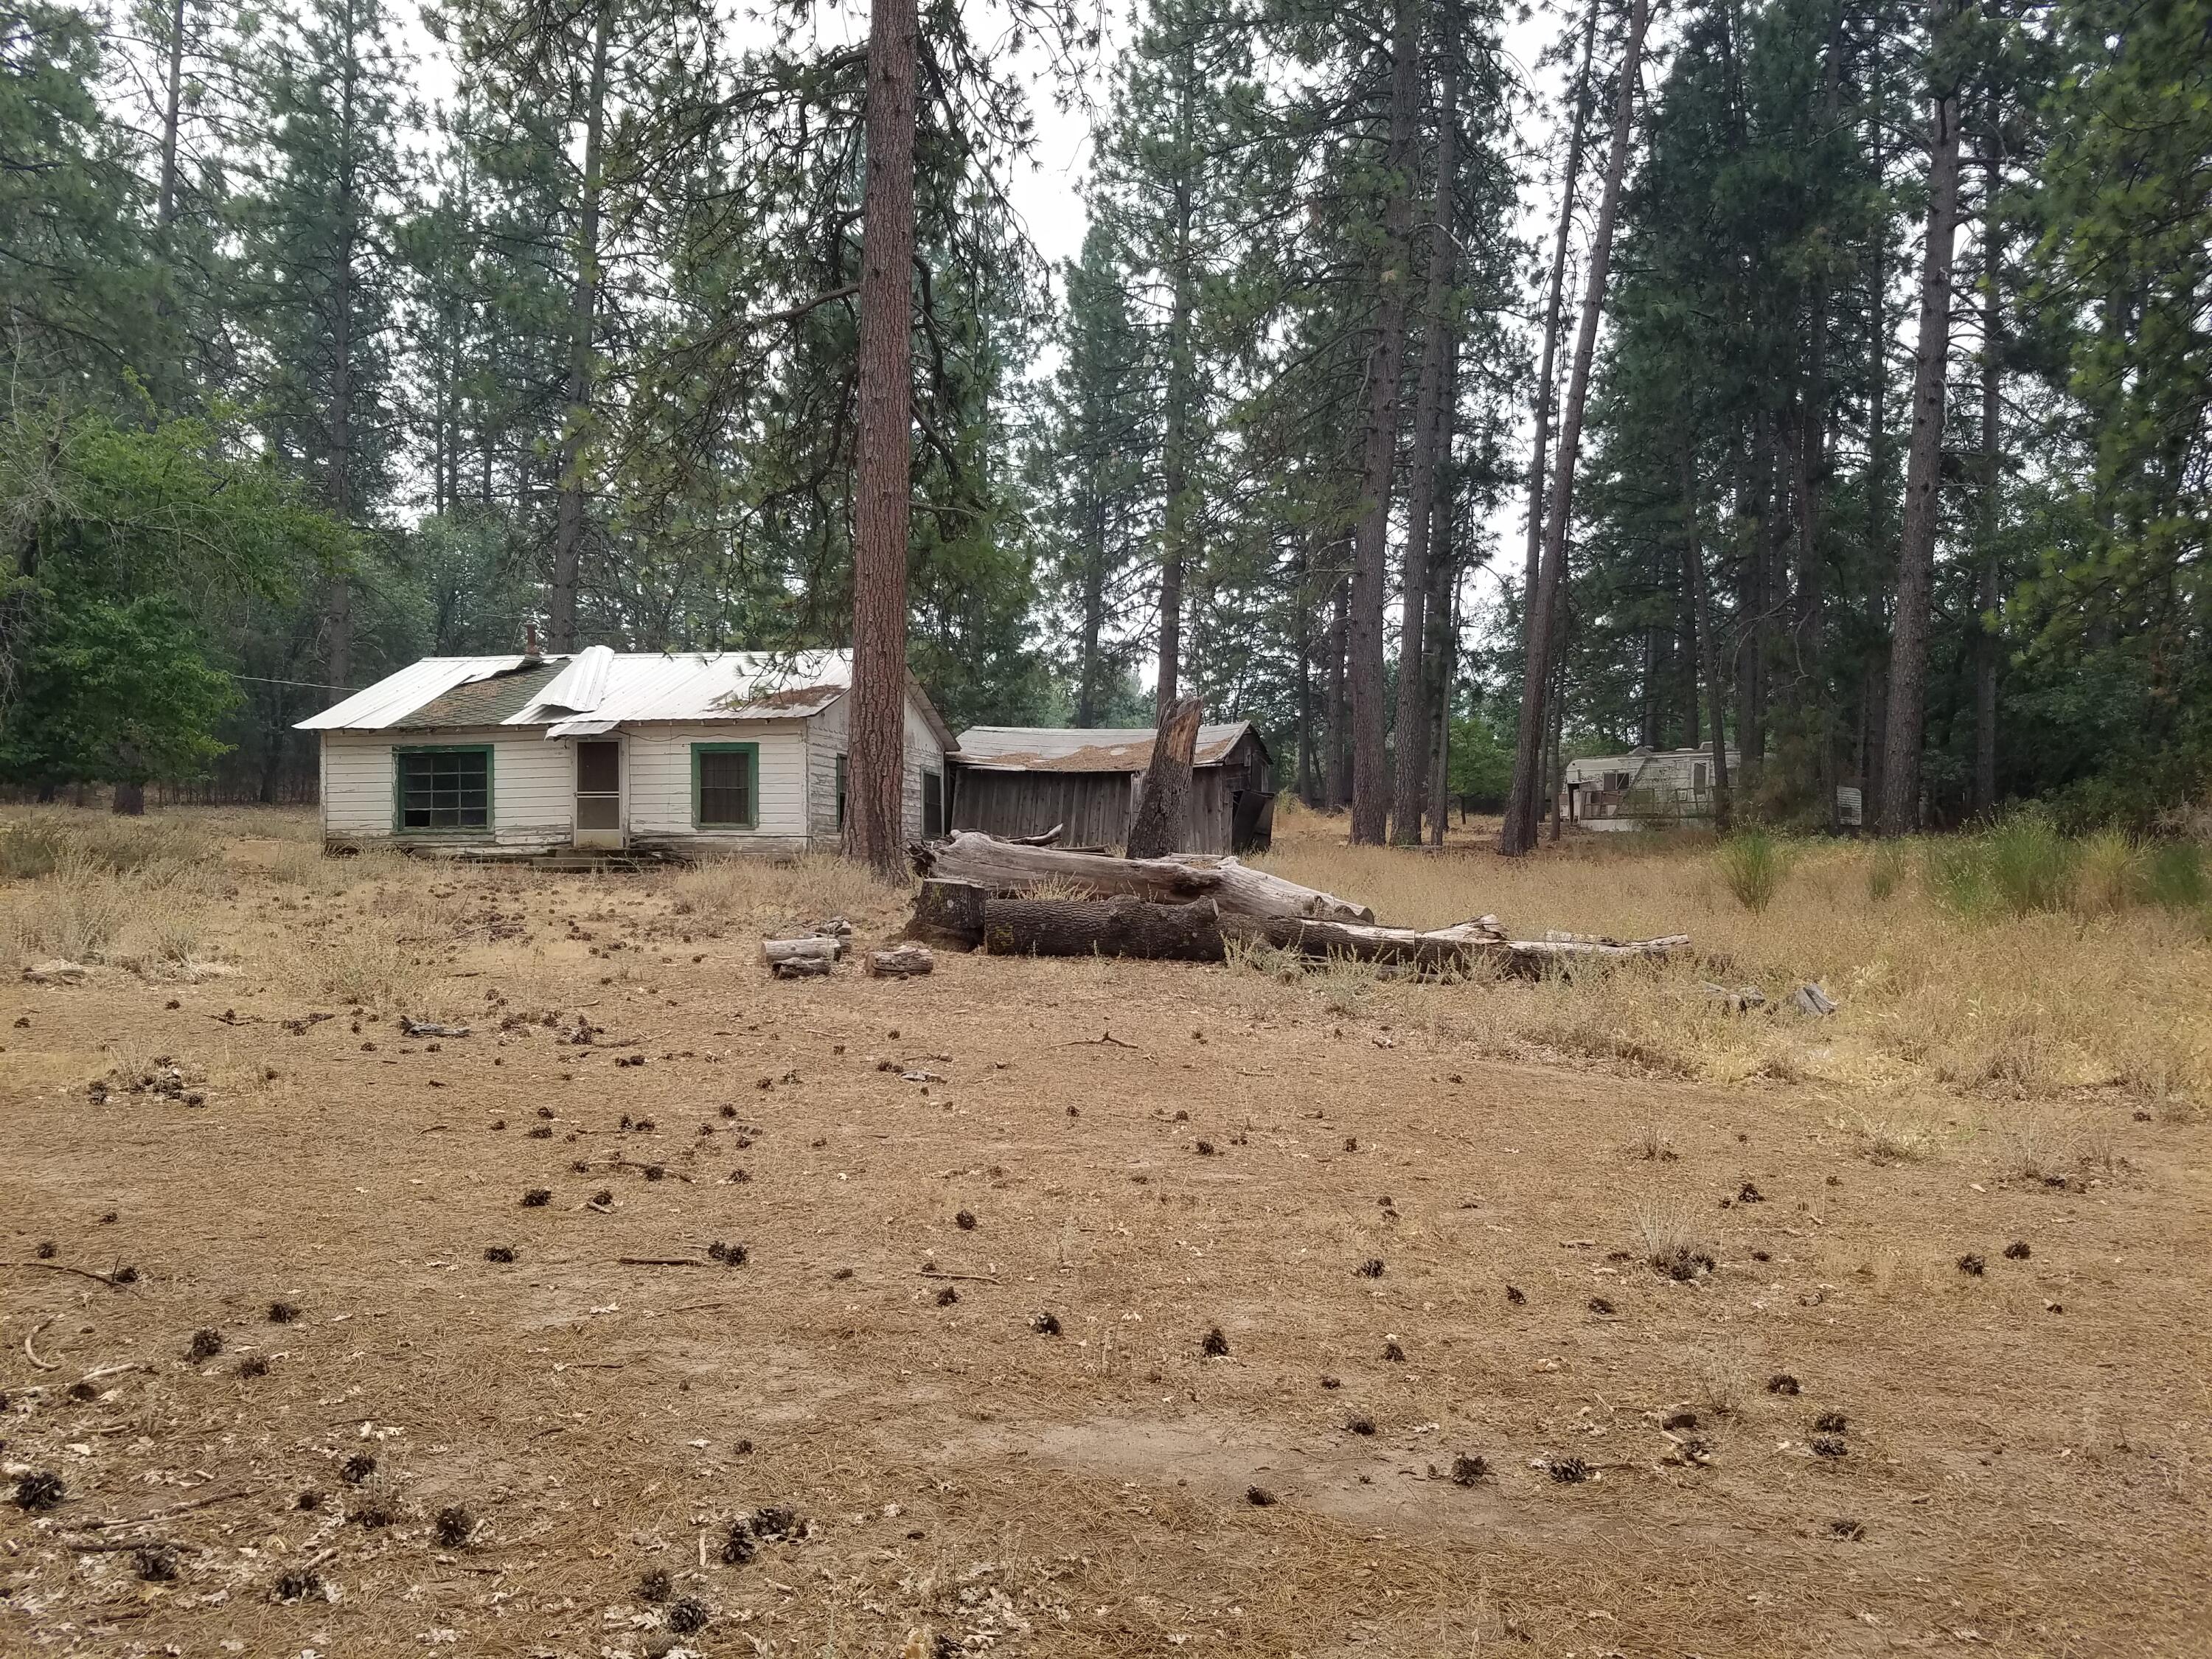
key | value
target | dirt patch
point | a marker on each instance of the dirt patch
(800, 1446)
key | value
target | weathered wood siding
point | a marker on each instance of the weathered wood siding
(534, 788)
(1094, 809)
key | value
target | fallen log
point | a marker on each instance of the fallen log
(1127, 927)
(948, 913)
(902, 962)
(1123, 927)
(1006, 868)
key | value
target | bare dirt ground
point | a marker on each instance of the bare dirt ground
(1948, 1397)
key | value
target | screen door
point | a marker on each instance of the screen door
(598, 787)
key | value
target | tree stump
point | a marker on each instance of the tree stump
(1163, 809)
(949, 914)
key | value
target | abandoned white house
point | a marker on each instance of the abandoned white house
(677, 753)
(1656, 788)
(1023, 780)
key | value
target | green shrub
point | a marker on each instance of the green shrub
(1752, 864)
(2031, 865)
(1885, 870)
(2173, 876)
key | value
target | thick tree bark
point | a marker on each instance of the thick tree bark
(340, 417)
(1709, 656)
(1162, 821)
(1089, 678)
(583, 314)
(1916, 553)
(884, 438)
(1439, 323)
(1518, 833)
(1554, 304)
(1306, 776)
(1004, 866)
(1123, 927)
(1874, 678)
(1371, 782)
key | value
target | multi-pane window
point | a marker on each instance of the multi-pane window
(445, 788)
(722, 774)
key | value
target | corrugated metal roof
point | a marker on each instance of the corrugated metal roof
(1084, 749)
(600, 686)
(396, 695)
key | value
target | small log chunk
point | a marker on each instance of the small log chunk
(948, 913)
(1163, 805)
(900, 962)
(801, 958)
(1123, 927)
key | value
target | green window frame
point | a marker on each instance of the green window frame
(701, 787)
(439, 791)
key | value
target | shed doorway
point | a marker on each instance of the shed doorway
(599, 793)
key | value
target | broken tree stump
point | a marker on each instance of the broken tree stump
(948, 913)
(1163, 805)
(1005, 867)
(1121, 926)
(900, 962)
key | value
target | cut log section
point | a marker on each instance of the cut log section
(1123, 927)
(1236, 889)
(948, 913)
(902, 962)
(801, 958)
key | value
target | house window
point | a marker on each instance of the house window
(1698, 779)
(445, 788)
(841, 792)
(724, 777)
(933, 804)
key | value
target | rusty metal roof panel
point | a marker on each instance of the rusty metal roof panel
(1094, 748)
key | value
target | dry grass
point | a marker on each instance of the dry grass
(2032, 1005)
(1081, 1489)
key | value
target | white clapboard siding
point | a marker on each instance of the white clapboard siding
(825, 743)
(533, 784)
(659, 759)
(923, 751)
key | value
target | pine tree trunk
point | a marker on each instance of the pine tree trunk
(1305, 674)
(1338, 782)
(583, 311)
(1178, 508)
(1518, 833)
(1709, 655)
(1410, 735)
(1554, 304)
(340, 420)
(1371, 782)
(1985, 585)
(1442, 653)
(1089, 676)
(884, 438)
(1916, 553)
(173, 88)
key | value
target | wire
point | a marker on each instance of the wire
(312, 685)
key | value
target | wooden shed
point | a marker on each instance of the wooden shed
(1023, 779)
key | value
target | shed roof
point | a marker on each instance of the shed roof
(1087, 749)
(599, 689)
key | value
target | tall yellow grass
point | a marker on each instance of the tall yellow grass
(2101, 995)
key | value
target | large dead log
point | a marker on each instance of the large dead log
(1236, 889)
(948, 913)
(1164, 808)
(1457, 947)
(1123, 927)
